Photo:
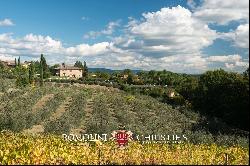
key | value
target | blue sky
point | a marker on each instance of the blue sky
(62, 19)
(180, 36)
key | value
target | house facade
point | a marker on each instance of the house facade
(69, 71)
(10, 64)
(26, 64)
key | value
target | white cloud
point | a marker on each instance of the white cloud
(240, 36)
(171, 39)
(5, 37)
(6, 57)
(222, 12)
(242, 64)
(234, 66)
(88, 50)
(224, 58)
(6, 22)
(106, 54)
(110, 28)
(229, 66)
(31, 46)
(231, 62)
(174, 31)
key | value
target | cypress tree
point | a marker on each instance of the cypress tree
(18, 62)
(18, 73)
(44, 67)
(15, 62)
(31, 73)
(85, 69)
(41, 70)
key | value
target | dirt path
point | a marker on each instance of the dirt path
(39, 105)
(39, 128)
(98, 87)
(61, 109)
(89, 108)
(88, 114)
(1, 104)
(35, 129)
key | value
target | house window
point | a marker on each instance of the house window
(70, 70)
(64, 74)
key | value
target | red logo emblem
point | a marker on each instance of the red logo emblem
(122, 137)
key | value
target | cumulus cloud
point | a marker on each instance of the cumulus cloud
(33, 45)
(229, 66)
(236, 65)
(222, 12)
(224, 58)
(171, 39)
(110, 28)
(30, 46)
(172, 31)
(5, 37)
(6, 57)
(107, 54)
(240, 36)
(6, 22)
(229, 61)
(88, 50)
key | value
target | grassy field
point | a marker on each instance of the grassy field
(36, 118)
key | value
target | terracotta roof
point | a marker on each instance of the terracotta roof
(9, 62)
(27, 62)
(68, 68)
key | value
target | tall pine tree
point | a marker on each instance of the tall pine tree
(85, 70)
(45, 67)
(18, 62)
(41, 69)
(15, 62)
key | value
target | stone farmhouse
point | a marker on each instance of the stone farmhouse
(69, 71)
(10, 64)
